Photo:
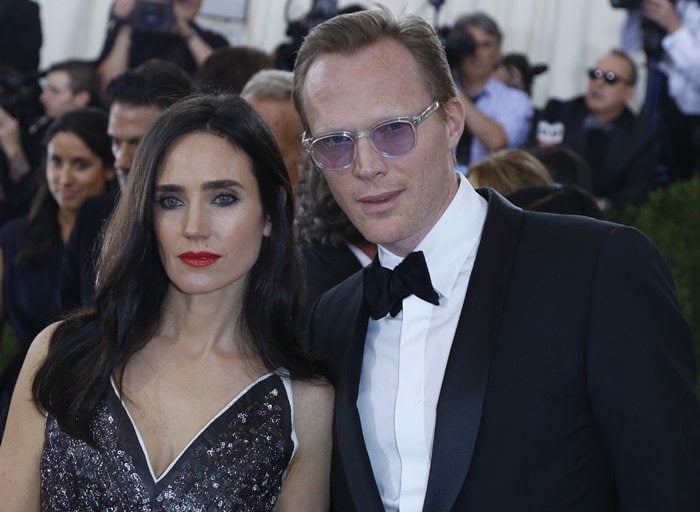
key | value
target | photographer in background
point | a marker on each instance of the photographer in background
(673, 57)
(496, 116)
(65, 86)
(20, 43)
(141, 30)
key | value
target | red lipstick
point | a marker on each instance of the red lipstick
(198, 259)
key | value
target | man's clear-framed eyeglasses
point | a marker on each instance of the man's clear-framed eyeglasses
(391, 138)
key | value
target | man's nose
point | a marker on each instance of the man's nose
(368, 161)
(123, 157)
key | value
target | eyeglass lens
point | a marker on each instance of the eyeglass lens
(608, 76)
(391, 139)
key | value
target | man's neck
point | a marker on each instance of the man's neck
(472, 88)
(608, 117)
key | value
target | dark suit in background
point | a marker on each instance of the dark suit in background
(76, 285)
(570, 383)
(622, 159)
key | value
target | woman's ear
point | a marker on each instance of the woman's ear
(267, 230)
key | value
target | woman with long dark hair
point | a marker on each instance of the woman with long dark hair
(79, 164)
(184, 388)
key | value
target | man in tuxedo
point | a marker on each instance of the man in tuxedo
(510, 360)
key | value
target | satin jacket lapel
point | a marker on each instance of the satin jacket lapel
(349, 438)
(464, 385)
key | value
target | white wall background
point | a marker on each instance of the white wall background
(568, 34)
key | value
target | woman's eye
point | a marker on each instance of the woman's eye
(225, 199)
(54, 160)
(169, 202)
(81, 164)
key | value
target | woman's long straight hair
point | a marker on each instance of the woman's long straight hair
(90, 126)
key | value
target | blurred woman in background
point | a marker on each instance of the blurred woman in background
(79, 164)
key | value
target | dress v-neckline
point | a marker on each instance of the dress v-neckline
(142, 444)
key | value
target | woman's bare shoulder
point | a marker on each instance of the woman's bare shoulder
(312, 394)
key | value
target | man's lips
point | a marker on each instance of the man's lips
(198, 259)
(377, 202)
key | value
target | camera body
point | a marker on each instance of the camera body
(321, 10)
(626, 4)
(155, 16)
(629, 4)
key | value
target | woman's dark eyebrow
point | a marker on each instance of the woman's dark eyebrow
(207, 185)
(214, 184)
(169, 188)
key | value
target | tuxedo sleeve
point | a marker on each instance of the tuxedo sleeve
(317, 341)
(641, 377)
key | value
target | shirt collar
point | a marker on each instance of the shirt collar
(487, 90)
(590, 122)
(451, 241)
(490, 86)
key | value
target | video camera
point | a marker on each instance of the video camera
(155, 16)
(321, 10)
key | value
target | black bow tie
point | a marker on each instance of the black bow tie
(384, 289)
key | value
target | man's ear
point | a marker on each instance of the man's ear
(454, 121)
(81, 99)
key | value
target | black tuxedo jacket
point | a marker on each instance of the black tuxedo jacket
(626, 172)
(324, 267)
(569, 386)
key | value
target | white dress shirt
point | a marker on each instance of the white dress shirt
(360, 255)
(511, 108)
(405, 357)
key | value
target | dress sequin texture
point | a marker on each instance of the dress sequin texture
(236, 464)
